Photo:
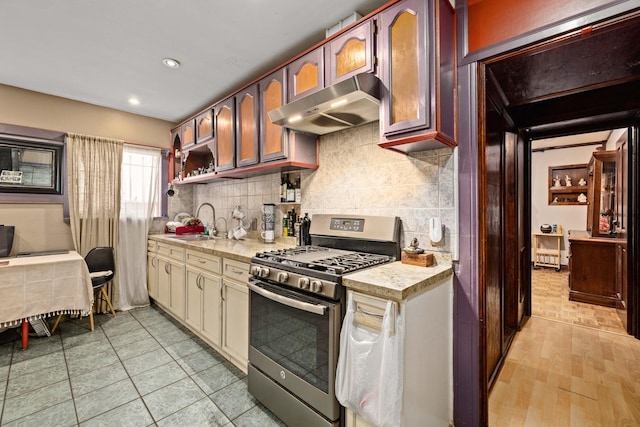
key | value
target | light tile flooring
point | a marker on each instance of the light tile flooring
(140, 368)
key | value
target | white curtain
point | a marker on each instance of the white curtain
(138, 206)
(94, 166)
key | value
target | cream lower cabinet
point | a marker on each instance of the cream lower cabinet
(171, 289)
(152, 269)
(235, 310)
(204, 288)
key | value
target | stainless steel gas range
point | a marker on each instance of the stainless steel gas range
(297, 303)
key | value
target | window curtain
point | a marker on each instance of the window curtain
(94, 166)
(139, 203)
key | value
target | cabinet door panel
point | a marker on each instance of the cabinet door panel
(178, 291)
(225, 135)
(204, 127)
(211, 307)
(247, 118)
(403, 41)
(306, 74)
(350, 53)
(236, 320)
(273, 138)
(164, 282)
(193, 315)
(152, 275)
(187, 134)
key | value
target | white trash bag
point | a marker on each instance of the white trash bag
(370, 368)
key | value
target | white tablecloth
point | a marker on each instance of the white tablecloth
(43, 286)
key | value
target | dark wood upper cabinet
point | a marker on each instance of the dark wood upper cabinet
(204, 127)
(225, 135)
(247, 126)
(417, 68)
(305, 75)
(187, 134)
(350, 53)
(273, 138)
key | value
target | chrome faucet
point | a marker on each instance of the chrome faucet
(212, 229)
(226, 227)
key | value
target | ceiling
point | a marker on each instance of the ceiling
(105, 52)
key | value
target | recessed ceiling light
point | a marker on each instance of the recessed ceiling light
(134, 101)
(171, 63)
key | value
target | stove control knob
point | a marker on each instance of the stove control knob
(316, 285)
(303, 283)
(264, 272)
(255, 270)
(283, 277)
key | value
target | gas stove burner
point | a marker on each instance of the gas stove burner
(350, 262)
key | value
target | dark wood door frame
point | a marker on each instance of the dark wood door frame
(470, 379)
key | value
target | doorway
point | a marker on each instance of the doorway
(560, 191)
(585, 83)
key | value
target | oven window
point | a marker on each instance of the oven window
(296, 339)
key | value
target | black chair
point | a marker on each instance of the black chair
(102, 268)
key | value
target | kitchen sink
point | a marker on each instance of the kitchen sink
(196, 237)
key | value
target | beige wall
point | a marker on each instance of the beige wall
(37, 110)
(40, 226)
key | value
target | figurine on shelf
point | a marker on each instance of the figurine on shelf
(413, 247)
(555, 200)
(582, 198)
(582, 182)
(556, 182)
(567, 180)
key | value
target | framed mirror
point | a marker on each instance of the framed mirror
(30, 166)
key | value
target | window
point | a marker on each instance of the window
(141, 185)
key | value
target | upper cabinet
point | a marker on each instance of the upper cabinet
(305, 75)
(225, 135)
(247, 126)
(187, 134)
(204, 127)
(417, 68)
(273, 144)
(350, 53)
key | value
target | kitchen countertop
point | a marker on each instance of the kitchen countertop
(394, 280)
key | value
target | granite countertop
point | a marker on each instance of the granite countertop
(238, 250)
(398, 281)
(394, 280)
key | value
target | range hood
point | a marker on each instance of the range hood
(348, 103)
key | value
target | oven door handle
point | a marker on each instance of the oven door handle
(305, 306)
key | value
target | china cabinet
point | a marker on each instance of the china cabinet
(602, 194)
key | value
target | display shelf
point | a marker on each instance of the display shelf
(568, 194)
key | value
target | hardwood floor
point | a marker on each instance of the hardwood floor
(550, 299)
(565, 372)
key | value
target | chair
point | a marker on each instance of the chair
(102, 268)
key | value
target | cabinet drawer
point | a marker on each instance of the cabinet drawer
(152, 246)
(170, 251)
(204, 261)
(236, 270)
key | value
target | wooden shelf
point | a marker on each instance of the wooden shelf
(568, 195)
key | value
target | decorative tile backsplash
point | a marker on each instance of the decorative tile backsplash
(355, 177)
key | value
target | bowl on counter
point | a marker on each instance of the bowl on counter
(546, 228)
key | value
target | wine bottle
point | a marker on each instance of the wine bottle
(283, 188)
(304, 229)
(285, 225)
(298, 193)
(291, 192)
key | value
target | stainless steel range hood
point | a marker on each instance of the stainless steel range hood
(348, 103)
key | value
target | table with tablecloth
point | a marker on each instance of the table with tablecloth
(42, 286)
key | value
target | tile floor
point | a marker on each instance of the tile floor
(140, 368)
